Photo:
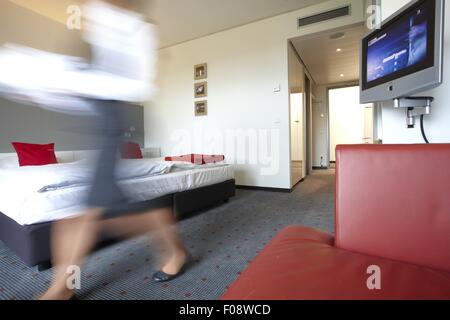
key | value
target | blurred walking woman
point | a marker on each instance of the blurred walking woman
(122, 71)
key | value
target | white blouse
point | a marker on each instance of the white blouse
(123, 65)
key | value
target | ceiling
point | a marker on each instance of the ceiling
(325, 64)
(184, 20)
(53, 9)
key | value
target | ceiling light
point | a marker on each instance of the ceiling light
(338, 49)
(341, 75)
(338, 35)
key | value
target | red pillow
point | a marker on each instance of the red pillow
(197, 158)
(131, 150)
(35, 154)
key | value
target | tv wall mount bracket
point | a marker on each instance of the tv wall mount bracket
(415, 107)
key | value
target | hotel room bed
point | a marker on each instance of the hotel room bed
(26, 216)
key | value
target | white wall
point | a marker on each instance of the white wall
(437, 125)
(388, 7)
(245, 64)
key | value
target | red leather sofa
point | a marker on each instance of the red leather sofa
(392, 211)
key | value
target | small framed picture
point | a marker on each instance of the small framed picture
(201, 108)
(201, 71)
(201, 89)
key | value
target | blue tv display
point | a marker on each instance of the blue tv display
(404, 56)
(401, 46)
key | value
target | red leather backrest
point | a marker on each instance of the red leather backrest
(393, 201)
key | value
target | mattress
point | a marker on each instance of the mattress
(33, 207)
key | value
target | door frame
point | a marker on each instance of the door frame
(308, 141)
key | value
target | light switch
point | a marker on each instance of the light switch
(277, 88)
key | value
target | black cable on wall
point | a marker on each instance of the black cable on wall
(422, 130)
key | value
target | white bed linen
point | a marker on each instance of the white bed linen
(33, 178)
(31, 207)
(65, 175)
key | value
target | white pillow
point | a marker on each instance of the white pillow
(9, 162)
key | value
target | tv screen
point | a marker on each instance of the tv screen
(402, 47)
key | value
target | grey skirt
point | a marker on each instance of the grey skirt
(104, 191)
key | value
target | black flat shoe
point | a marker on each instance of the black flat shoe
(161, 276)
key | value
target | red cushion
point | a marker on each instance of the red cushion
(212, 158)
(197, 158)
(302, 263)
(393, 201)
(131, 150)
(35, 154)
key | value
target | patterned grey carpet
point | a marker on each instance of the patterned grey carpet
(222, 241)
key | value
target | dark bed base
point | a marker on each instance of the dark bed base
(32, 243)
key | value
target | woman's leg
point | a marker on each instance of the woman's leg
(162, 223)
(71, 241)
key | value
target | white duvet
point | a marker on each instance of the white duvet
(31, 195)
(57, 176)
